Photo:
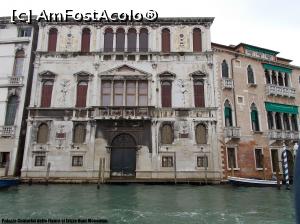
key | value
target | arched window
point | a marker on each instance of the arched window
(294, 122)
(254, 118)
(286, 79)
(85, 40)
(120, 40)
(11, 110)
(280, 79)
(79, 133)
(228, 114)
(201, 134)
(274, 80)
(197, 40)
(278, 121)
(42, 134)
(143, 40)
(19, 61)
(46, 94)
(166, 134)
(225, 73)
(199, 95)
(131, 40)
(250, 75)
(268, 80)
(286, 122)
(81, 94)
(166, 94)
(165, 40)
(52, 40)
(270, 120)
(108, 40)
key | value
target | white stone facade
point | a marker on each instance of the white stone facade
(181, 67)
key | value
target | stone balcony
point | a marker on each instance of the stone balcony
(284, 135)
(126, 112)
(280, 91)
(227, 83)
(205, 112)
(12, 81)
(232, 132)
(7, 131)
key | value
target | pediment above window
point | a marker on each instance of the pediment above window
(47, 75)
(166, 75)
(125, 72)
(198, 74)
(83, 75)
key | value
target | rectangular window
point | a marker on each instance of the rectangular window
(259, 159)
(231, 158)
(106, 93)
(202, 161)
(118, 93)
(167, 161)
(275, 160)
(4, 158)
(24, 32)
(143, 93)
(40, 161)
(166, 94)
(77, 160)
(199, 94)
(130, 93)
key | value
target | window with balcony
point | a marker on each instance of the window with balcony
(52, 40)
(225, 72)
(201, 134)
(267, 76)
(259, 160)
(108, 40)
(11, 110)
(46, 93)
(131, 40)
(270, 120)
(286, 122)
(82, 88)
(120, 40)
(19, 61)
(294, 122)
(231, 158)
(143, 40)
(228, 114)
(85, 40)
(167, 134)
(278, 121)
(197, 40)
(250, 75)
(199, 95)
(79, 133)
(42, 134)
(165, 40)
(254, 118)
(166, 94)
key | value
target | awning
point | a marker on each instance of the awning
(277, 68)
(282, 108)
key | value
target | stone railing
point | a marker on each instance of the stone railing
(205, 112)
(284, 134)
(122, 111)
(227, 83)
(232, 132)
(7, 131)
(280, 91)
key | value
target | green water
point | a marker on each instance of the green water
(149, 203)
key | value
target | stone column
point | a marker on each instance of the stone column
(114, 41)
(125, 41)
(281, 119)
(270, 75)
(277, 77)
(274, 121)
(290, 122)
(137, 47)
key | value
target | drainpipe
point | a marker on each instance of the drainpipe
(233, 90)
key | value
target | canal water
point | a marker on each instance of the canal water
(138, 203)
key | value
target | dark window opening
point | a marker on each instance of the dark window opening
(77, 160)
(85, 40)
(167, 161)
(259, 158)
(4, 159)
(81, 94)
(46, 94)
(143, 40)
(131, 40)
(231, 158)
(225, 73)
(165, 40)
(40, 161)
(120, 40)
(166, 94)
(108, 40)
(254, 118)
(228, 114)
(202, 161)
(199, 94)
(250, 75)
(52, 40)
(197, 40)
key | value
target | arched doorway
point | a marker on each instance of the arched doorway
(123, 155)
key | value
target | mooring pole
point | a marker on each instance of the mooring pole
(264, 166)
(175, 169)
(277, 174)
(99, 173)
(6, 168)
(47, 173)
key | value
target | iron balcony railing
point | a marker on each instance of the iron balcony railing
(280, 91)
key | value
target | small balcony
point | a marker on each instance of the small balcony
(232, 132)
(7, 131)
(280, 91)
(227, 83)
(284, 135)
(205, 112)
(125, 112)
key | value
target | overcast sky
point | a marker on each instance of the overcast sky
(272, 24)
